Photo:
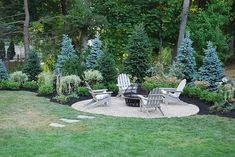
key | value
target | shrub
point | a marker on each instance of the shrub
(99, 86)
(67, 52)
(186, 57)
(95, 53)
(72, 66)
(46, 78)
(92, 76)
(113, 87)
(151, 85)
(83, 91)
(165, 57)
(139, 49)
(106, 65)
(62, 99)
(30, 85)
(3, 71)
(19, 77)
(10, 85)
(32, 66)
(11, 50)
(211, 69)
(201, 84)
(176, 70)
(70, 83)
(45, 89)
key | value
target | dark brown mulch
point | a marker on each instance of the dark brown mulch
(205, 107)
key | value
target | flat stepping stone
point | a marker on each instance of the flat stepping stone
(69, 120)
(85, 117)
(56, 125)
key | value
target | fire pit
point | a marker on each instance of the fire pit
(131, 93)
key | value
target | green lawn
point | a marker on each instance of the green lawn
(24, 132)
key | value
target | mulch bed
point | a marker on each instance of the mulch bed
(205, 106)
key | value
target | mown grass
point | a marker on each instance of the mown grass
(24, 132)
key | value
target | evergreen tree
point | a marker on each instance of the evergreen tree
(3, 71)
(95, 53)
(67, 52)
(2, 50)
(11, 50)
(72, 66)
(139, 48)
(186, 58)
(106, 65)
(32, 66)
(211, 70)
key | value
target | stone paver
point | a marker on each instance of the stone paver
(69, 120)
(85, 117)
(56, 125)
(120, 109)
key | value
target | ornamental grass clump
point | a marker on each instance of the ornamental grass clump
(70, 84)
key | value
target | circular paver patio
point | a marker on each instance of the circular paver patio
(120, 109)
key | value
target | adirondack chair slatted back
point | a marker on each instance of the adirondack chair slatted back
(90, 90)
(123, 81)
(154, 98)
(180, 87)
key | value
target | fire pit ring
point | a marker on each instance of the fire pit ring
(131, 93)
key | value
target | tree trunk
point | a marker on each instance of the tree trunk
(184, 19)
(26, 28)
(84, 40)
(64, 6)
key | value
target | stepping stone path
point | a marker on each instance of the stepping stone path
(85, 117)
(69, 120)
(56, 125)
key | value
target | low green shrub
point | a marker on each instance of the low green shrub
(11, 85)
(99, 86)
(92, 76)
(205, 95)
(83, 91)
(61, 98)
(113, 87)
(45, 89)
(150, 85)
(30, 85)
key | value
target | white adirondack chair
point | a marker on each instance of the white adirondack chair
(154, 100)
(172, 94)
(123, 83)
(100, 97)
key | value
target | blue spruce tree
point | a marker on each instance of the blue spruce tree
(67, 52)
(95, 53)
(186, 58)
(211, 70)
(3, 71)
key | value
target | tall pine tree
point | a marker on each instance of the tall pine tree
(32, 67)
(95, 53)
(2, 50)
(67, 52)
(211, 70)
(139, 50)
(3, 71)
(11, 50)
(186, 58)
(106, 65)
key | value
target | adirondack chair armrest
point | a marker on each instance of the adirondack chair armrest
(99, 91)
(142, 97)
